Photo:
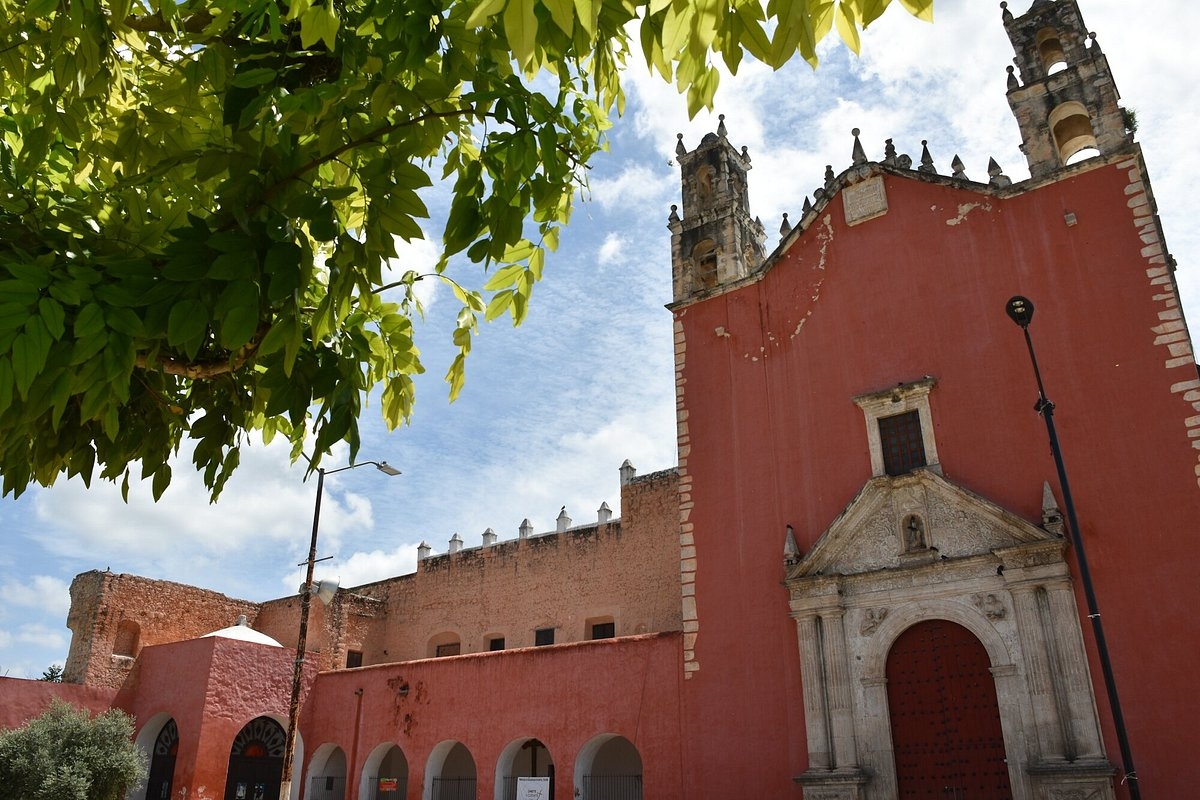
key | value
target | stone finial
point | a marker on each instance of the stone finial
(829, 176)
(1012, 78)
(785, 227)
(1052, 518)
(791, 551)
(960, 170)
(242, 621)
(998, 179)
(904, 161)
(489, 537)
(456, 544)
(926, 159)
(818, 194)
(604, 513)
(628, 473)
(1005, 14)
(526, 529)
(674, 215)
(423, 551)
(680, 150)
(889, 152)
(857, 154)
(746, 151)
(721, 130)
(1093, 45)
(563, 521)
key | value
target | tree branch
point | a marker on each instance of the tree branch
(211, 368)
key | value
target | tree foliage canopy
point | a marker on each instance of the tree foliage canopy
(67, 755)
(200, 200)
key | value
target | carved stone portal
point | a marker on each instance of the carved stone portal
(993, 573)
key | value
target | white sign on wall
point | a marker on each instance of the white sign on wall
(533, 789)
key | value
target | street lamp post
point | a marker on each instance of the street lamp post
(289, 754)
(1020, 310)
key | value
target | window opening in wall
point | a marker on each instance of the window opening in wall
(449, 649)
(704, 256)
(543, 636)
(353, 658)
(496, 643)
(902, 442)
(604, 630)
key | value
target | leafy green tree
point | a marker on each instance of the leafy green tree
(65, 754)
(52, 674)
(200, 200)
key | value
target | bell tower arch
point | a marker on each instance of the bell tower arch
(1061, 91)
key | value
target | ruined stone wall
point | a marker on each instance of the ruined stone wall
(622, 571)
(114, 616)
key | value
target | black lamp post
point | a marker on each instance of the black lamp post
(289, 754)
(1020, 310)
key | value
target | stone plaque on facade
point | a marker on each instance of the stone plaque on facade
(864, 201)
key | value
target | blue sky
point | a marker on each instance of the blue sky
(551, 409)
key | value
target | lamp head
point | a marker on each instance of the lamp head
(1020, 310)
(326, 589)
(387, 469)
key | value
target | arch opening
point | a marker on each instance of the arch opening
(1050, 50)
(609, 767)
(327, 773)
(947, 736)
(385, 774)
(163, 749)
(523, 758)
(451, 773)
(256, 761)
(704, 260)
(447, 643)
(1071, 126)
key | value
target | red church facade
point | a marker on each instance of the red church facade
(875, 588)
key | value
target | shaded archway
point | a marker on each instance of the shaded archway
(159, 738)
(256, 761)
(327, 773)
(946, 731)
(385, 774)
(522, 758)
(450, 773)
(609, 767)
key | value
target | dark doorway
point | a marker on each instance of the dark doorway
(946, 730)
(162, 762)
(256, 761)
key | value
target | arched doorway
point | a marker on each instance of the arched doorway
(327, 773)
(524, 758)
(452, 768)
(609, 767)
(256, 761)
(162, 762)
(385, 774)
(946, 732)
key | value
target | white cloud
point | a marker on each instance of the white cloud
(637, 185)
(612, 250)
(44, 592)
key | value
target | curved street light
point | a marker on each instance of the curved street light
(1020, 310)
(289, 754)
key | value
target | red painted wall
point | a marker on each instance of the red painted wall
(21, 700)
(563, 695)
(770, 370)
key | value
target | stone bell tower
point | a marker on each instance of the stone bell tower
(1063, 94)
(716, 242)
